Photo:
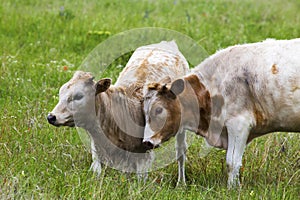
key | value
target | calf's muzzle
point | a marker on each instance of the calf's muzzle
(149, 144)
(51, 119)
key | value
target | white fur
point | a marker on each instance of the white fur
(262, 76)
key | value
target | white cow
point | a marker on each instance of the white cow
(113, 114)
(232, 97)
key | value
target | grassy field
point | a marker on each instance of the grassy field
(43, 42)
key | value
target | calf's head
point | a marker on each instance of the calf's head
(163, 112)
(183, 104)
(77, 100)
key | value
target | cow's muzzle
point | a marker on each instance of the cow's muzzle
(150, 143)
(51, 119)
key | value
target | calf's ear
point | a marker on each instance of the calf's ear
(177, 86)
(102, 85)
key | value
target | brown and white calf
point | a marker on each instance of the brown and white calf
(232, 97)
(113, 114)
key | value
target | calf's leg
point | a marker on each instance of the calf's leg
(181, 156)
(238, 131)
(96, 165)
(144, 164)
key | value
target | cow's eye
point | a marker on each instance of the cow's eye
(77, 96)
(158, 110)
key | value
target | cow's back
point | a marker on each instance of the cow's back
(124, 120)
(152, 63)
(260, 78)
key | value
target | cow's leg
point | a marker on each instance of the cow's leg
(144, 164)
(238, 131)
(142, 173)
(142, 177)
(181, 155)
(96, 165)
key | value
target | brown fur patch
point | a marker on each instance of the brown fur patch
(195, 82)
(274, 69)
(177, 61)
(295, 88)
(204, 101)
(259, 117)
(172, 124)
(165, 64)
(141, 71)
(153, 86)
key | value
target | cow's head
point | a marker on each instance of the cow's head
(77, 100)
(162, 111)
(170, 108)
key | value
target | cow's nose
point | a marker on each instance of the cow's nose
(51, 119)
(148, 143)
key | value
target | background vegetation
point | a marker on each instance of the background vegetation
(43, 42)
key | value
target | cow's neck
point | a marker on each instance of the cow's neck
(119, 111)
(196, 103)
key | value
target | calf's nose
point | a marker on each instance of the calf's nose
(148, 143)
(51, 119)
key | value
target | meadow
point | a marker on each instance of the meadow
(42, 44)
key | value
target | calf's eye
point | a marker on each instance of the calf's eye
(77, 96)
(158, 110)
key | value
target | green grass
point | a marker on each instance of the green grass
(39, 38)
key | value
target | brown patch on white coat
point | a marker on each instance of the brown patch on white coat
(250, 100)
(274, 69)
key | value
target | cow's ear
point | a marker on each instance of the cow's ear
(177, 86)
(102, 85)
